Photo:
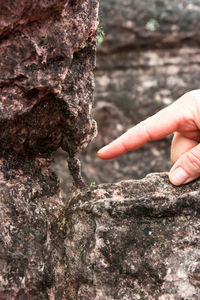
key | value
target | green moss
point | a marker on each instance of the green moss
(152, 25)
(100, 35)
(93, 184)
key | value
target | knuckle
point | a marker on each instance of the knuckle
(124, 146)
(194, 160)
(189, 96)
(192, 95)
(144, 125)
(173, 157)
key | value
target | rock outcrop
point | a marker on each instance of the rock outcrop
(47, 57)
(136, 239)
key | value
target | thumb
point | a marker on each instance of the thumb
(187, 167)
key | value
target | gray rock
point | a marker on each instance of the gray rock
(136, 239)
(31, 252)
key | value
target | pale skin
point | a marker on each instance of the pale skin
(181, 118)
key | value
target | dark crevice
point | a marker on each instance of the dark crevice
(12, 81)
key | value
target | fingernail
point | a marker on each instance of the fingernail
(179, 176)
(102, 149)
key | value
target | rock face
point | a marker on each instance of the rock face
(136, 239)
(148, 59)
(47, 61)
(47, 57)
(31, 253)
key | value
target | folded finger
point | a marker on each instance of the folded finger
(180, 145)
(187, 167)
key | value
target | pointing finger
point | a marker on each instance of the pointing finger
(156, 127)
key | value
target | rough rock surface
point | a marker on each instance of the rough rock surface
(47, 57)
(148, 59)
(136, 239)
(31, 252)
(47, 61)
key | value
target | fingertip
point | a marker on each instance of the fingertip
(178, 176)
(99, 154)
(102, 152)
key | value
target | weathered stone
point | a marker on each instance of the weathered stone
(47, 60)
(31, 252)
(136, 239)
(47, 57)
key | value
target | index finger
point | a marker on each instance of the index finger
(156, 127)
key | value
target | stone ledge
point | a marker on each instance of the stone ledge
(136, 239)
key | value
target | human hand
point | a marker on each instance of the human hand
(181, 117)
